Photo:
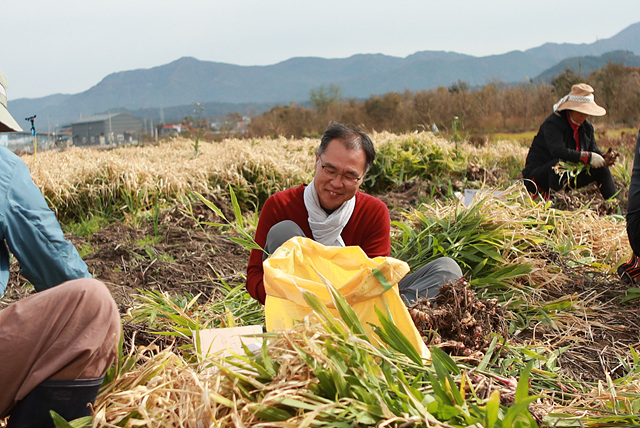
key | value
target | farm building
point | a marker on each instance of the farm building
(106, 129)
(171, 130)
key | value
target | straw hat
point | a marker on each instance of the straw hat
(7, 123)
(580, 99)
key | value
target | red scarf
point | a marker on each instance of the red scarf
(576, 134)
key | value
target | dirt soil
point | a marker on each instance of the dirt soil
(464, 323)
(178, 255)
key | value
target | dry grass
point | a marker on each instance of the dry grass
(599, 241)
(166, 390)
(163, 390)
(81, 178)
(81, 181)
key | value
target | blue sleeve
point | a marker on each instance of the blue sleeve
(33, 235)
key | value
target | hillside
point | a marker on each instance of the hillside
(186, 80)
(584, 65)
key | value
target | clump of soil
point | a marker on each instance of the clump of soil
(490, 177)
(610, 156)
(575, 200)
(478, 140)
(598, 332)
(457, 321)
(589, 196)
(572, 200)
(403, 198)
(410, 194)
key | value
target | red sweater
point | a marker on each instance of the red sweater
(369, 228)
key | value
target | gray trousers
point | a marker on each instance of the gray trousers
(425, 282)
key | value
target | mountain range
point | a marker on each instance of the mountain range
(167, 92)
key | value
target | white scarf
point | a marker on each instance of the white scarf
(327, 228)
(575, 98)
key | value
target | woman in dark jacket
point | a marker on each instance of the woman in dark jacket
(567, 135)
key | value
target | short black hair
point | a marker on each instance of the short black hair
(351, 137)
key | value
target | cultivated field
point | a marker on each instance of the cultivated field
(540, 331)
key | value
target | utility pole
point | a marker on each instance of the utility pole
(111, 139)
(32, 119)
(49, 131)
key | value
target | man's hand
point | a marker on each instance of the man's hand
(596, 160)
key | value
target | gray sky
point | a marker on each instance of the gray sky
(68, 46)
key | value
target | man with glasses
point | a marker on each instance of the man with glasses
(332, 211)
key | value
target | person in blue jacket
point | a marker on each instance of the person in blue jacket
(57, 344)
(567, 135)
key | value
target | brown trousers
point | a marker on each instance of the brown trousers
(66, 332)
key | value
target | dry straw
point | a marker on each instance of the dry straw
(80, 176)
(162, 391)
(601, 241)
(166, 390)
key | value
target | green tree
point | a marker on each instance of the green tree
(323, 97)
(563, 82)
(459, 86)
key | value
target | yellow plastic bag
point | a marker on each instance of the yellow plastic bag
(296, 266)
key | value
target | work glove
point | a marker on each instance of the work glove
(596, 160)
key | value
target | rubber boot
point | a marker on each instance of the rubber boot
(68, 398)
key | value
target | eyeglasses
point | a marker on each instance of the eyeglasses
(332, 172)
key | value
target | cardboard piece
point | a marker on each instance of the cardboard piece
(469, 194)
(223, 342)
